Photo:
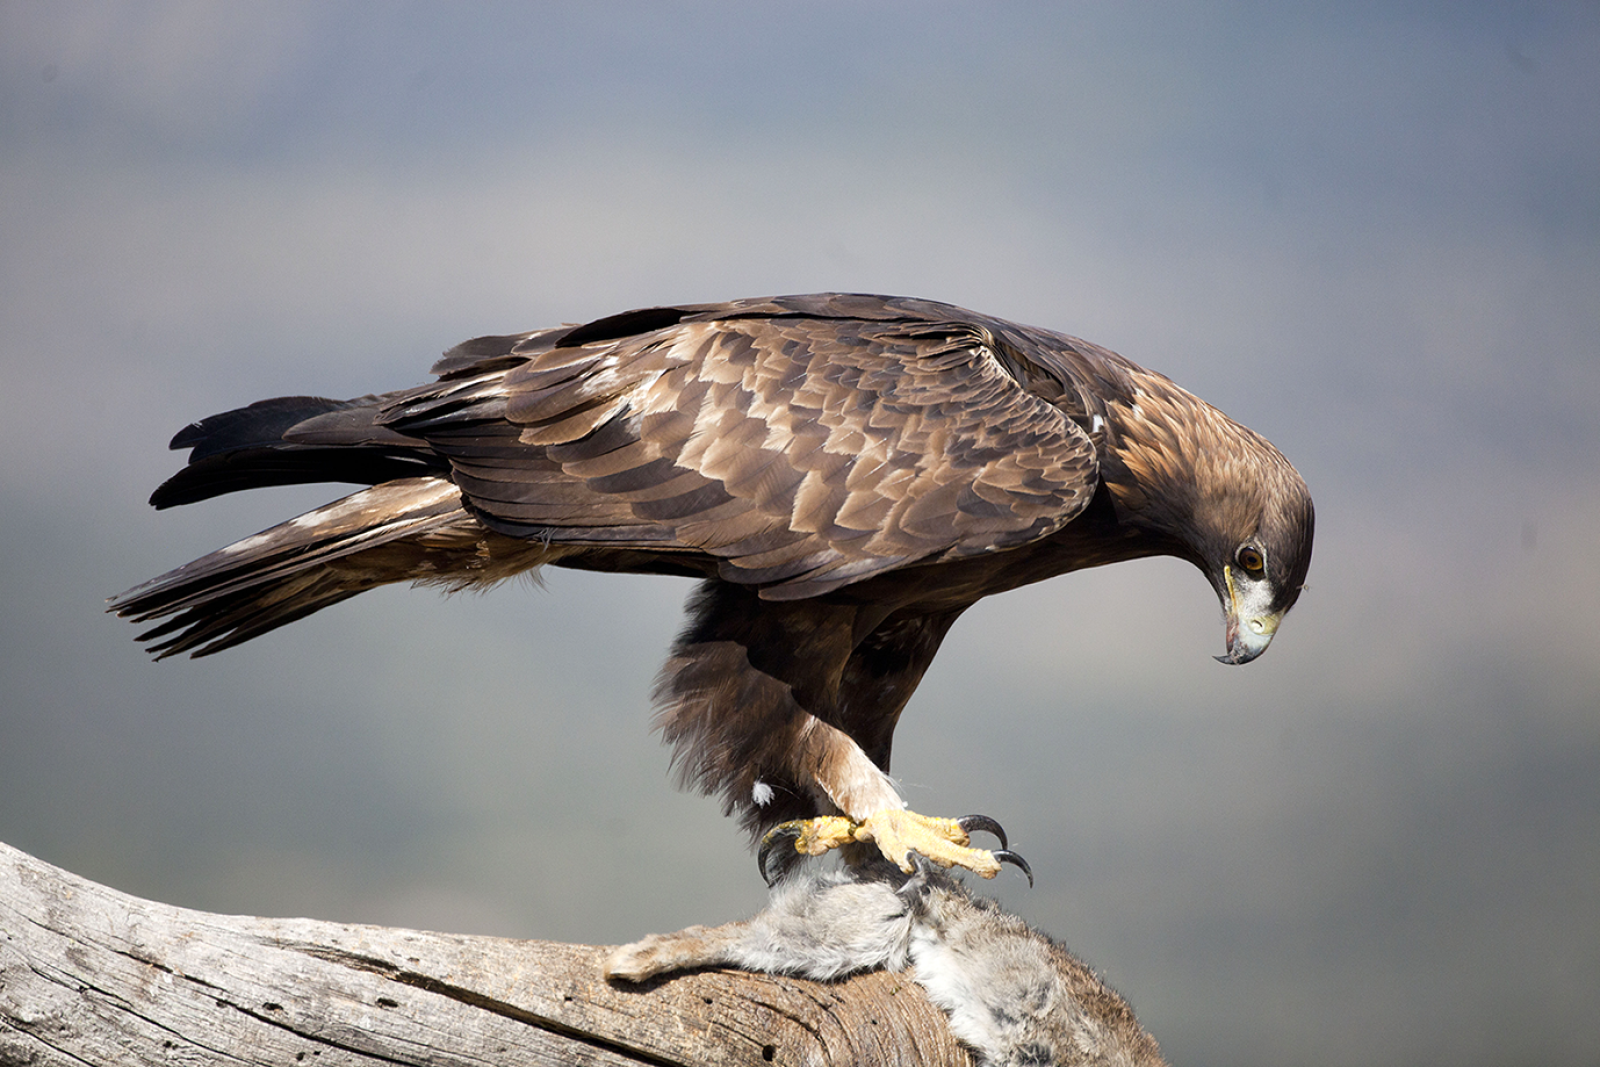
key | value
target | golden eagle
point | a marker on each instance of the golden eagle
(846, 474)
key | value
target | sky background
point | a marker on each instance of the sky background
(1370, 232)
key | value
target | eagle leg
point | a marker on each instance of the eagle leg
(898, 834)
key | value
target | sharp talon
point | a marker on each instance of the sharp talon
(783, 834)
(806, 837)
(1005, 855)
(773, 873)
(769, 873)
(969, 823)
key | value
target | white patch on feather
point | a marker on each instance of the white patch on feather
(414, 495)
(248, 544)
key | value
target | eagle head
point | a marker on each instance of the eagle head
(1258, 575)
(1251, 531)
(1216, 493)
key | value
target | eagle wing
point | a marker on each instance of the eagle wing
(801, 444)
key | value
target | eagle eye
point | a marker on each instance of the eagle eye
(1250, 558)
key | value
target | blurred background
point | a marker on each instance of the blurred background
(1371, 232)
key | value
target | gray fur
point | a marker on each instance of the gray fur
(1013, 995)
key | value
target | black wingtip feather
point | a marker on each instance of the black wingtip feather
(627, 324)
(256, 468)
(292, 440)
(262, 423)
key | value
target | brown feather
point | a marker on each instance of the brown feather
(847, 473)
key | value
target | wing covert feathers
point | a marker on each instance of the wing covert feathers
(801, 452)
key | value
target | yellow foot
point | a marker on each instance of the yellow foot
(897, 834)
(813, 837)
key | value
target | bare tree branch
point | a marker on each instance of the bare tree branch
(89, 975)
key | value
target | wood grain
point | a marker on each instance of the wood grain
(89, 975)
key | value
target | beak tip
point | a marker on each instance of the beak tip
(1241, 651)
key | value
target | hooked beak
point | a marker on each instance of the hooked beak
(1250, 626)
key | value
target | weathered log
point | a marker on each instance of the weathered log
(89, 975)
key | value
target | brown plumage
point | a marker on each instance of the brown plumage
(846, 473)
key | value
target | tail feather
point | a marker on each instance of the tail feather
(235, 618)
(370, 538)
